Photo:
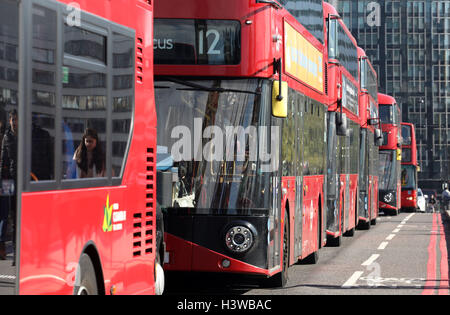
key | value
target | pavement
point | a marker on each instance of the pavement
(7, 272)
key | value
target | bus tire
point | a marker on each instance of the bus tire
(334, 241)
(364, 225)
(86, 283)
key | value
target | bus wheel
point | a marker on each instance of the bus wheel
(312, 259)
(280, 280)
(86, 284)
(364, 225)
(334, 241)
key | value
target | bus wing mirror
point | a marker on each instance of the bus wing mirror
(279, 105)
(399, 154)
(378, 138)
(373, 121)
(342, 125)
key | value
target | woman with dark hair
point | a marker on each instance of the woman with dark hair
(89, 156)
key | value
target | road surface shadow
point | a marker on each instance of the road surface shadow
(200, 283)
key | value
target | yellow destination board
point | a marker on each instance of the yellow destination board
(303, 60)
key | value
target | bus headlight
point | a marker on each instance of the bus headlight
(389, 197)
(239, 239)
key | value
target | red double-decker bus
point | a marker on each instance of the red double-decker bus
(241, 102)
(343, 128)
(78, 154)
(390, 155)
(371, 138)
(410, 166)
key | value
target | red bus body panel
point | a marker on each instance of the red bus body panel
(365, 100)
(393, 144)
(260, 24)
(409, 196)
(349, 182)
(56, 226)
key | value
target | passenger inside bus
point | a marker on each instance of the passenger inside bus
(42, 151)
(89, 156)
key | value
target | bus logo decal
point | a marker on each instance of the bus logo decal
(107, 219)
(113, 217)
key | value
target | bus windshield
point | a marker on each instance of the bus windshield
(388, 170)
(213, 131)
(387, 114)
(409, 177)
(406, 135)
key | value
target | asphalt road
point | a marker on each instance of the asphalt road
(401, 255)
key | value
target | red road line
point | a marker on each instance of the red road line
(444, 284)
(430, 284)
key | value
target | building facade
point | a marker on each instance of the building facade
(409, 44)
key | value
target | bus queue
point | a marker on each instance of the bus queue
(240, 137)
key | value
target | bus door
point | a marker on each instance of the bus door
(363, 176)
(373, 198)
(344, 182)
(299, 106)
(332, 174)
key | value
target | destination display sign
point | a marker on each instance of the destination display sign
(350, 95)
(197, 42)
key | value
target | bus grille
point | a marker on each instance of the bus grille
(144, 222)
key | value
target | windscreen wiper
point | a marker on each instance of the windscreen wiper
(271, 2)
(196, 86)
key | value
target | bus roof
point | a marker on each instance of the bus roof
(386, 99)
(329, 9)
(362, 53)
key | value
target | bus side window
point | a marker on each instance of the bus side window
(91, 87)
(123, 99)
(43, 94)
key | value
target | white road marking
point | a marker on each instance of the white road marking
(383, 245)
(390, 237)
(371, 260)
(351, 282)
